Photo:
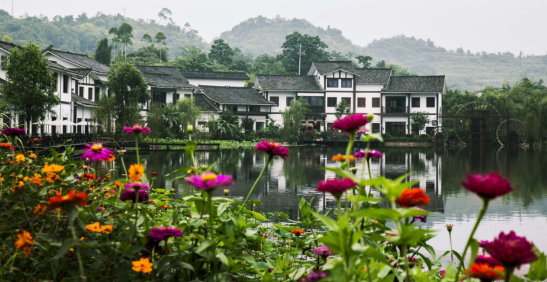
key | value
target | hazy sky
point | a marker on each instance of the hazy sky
(478, 25)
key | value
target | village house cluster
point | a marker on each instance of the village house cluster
(392, 99)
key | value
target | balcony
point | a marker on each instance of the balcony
(396, 110)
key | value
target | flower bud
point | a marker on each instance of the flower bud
(449, 227)
(190, 129)
(370, 117)
(226, 192)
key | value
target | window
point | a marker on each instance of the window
(361, 102)
(254, 108)
(332, 82)
(375, 128)
(275, 100)
(55, 78)
(97, 92)
(348, 102)
(53, 127)
(187, 95)
(65, 83)
(259, 125)
(231, 108)
(176, 97)
(317, 103)
(346, 83)
(430, 102)
(90, 94)
(159, 97)
(375, 102)
(81, 92)
(331, 102)
(329, 125)
(79, 127)
(416, 102)
(2, 61)
(289, 99)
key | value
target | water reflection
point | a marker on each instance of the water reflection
(439, 173)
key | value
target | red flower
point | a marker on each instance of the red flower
(165, 207)
(297, 232)
(153, 174)
(70, 198)
(413, 197)
(272, 148)
(510, 250)
(351, 123)
(484, 272)
(89, 176)
(335, 186)
(487, 186)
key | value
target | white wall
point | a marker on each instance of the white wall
(282, 99)
(2, 71)
(369, 87)
(216, 82)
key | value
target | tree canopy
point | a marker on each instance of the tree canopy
(221, 52)
(103, 53)
(312, 48)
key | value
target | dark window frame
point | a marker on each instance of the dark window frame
(332, 82)
(347, 99)
(65, 83)
(344, 82)
(361, 105)
(414, 99)
(176, 97)
(254, 108)
(428, 99)
(81, 91)
(288, 101)
(331, 101)
(375, 128)
(275, 99)
(90, 93)
(375, 102)
(97, 92)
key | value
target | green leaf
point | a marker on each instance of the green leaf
(257, 216)
(329, 222)
(67, 244)
(184, 170)
(224, 260)
(474, 251)
(538, 269)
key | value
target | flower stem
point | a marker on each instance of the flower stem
(137, 148)
(338, 205)
(80, 264)
(508, 272)
(369, 177)
(270, 157)
(407, 267)
(479, 218)
(451, 251)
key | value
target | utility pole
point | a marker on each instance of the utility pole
(299, 59)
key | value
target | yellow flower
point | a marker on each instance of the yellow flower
(107, 194)
(37, 179)
(96, 227)
(1, 179)
(136, 171)
(143, 265)
(24, 241)
(51, 177)
(20, 158)
(52, 168)
(32, 155)
(118, 184)
(39, 209)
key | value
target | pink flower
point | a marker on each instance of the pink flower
(487, 186)
(351, 123)
(163, 233)
(96, 152)
(492, 262)
(510, 250)
(13, 131)
(208, 181)
(131, 195)
(335, 186)
(137, 186)
(272, 148)
(322, 251)
(368, 154)
(422, 218)
(137, 129)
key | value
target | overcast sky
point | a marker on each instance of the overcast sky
(478, 25)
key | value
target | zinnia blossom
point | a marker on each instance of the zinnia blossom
(487, 186)
(71, 198)
(335, 186)
(6, 146)
(413, 197)
(136, 129)
(24, 242)
(342, 158)
(208, 181)
(131, 195)
(96, 152)
(492, 262)
(137, 186)
(272, 148)
(136, 171)
(298, 232)
(510, 250)
(153, 174)
(351, 123)
(158, 234)
(485, 272)
(36, 140)
(96, 227)
(422, 218)
(314, 277)
(13, 131)
(143, 265)
(322, 251)
(368, 154)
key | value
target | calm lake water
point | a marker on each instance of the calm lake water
(439, 173)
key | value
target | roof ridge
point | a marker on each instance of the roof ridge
(332, 61)
(226, 86)
(429, 75)
(215, 71)
(302, 75)
(68, 52)
(373, 68)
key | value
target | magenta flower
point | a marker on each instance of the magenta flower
(314, 277)
(36, 140)
(487, 186)
(442, 273)
(272, 148)
(368, 154)
(208, 181)
(351, 123)
(136, 129)
(13, 131)
(322, 251)
(510, 250)
(492, 262)
(131, 195)
(422, 218)
(137, 186)
(335, 186)
(163, 233)
(96, 153)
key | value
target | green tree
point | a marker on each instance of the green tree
(293, 116)
(194, 59)
(341, 109)
(160, 39)
(221, 52)
(103, 114)
(313, 49)
(30, 85)
(419, 120)
(188, 112)
(364, 60)
(130, 91)
(155, 120)
(123, 35)
(7, 39)
(103, 53)
(381, 64)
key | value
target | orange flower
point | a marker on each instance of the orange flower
(18, 189)
(108, 194)
(342, 158)
(111, 158)
(32, 155)
(96, 227)
(106, 229)
(297, 232)
(36, 179)
(39, 209)
(70, 198)
(1, 179)
(413, 197)
(6, 146)
(143, 265)
(118, 184)
(20, 158)
(136, 171)
(484, 272)
(52, 168)
(51, 177)
(24, 242)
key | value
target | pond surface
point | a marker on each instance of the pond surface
(439, 173)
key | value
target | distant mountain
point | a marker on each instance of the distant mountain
(262, 35)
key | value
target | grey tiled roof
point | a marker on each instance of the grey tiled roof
(82, 101)
(81, 59)
(416, 84)
(80, 73)
(165, 81)
(53, 65)
(372, 76)
(324, 67)
(269, 82)
(7, 46)
(215, 75)
(204, 103)
(234, 95)
(162, 70)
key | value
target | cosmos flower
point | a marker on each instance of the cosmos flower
(368, 154)
(143, 265)
(20, 158)
(208, 181)
(272, 148)
(487, 186)
(52, 168)
(136, 129)
(136, 171)
(96, 153)
(413, 197)
(24, 241)
(485, 272)
(71, 198)
(13, 131)
(39, 209)
(96, 227)
(510, 250)
(342, 158)
(322, 251)
(351, 123)
(131, 195)
(137, 186)
(335, 186)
